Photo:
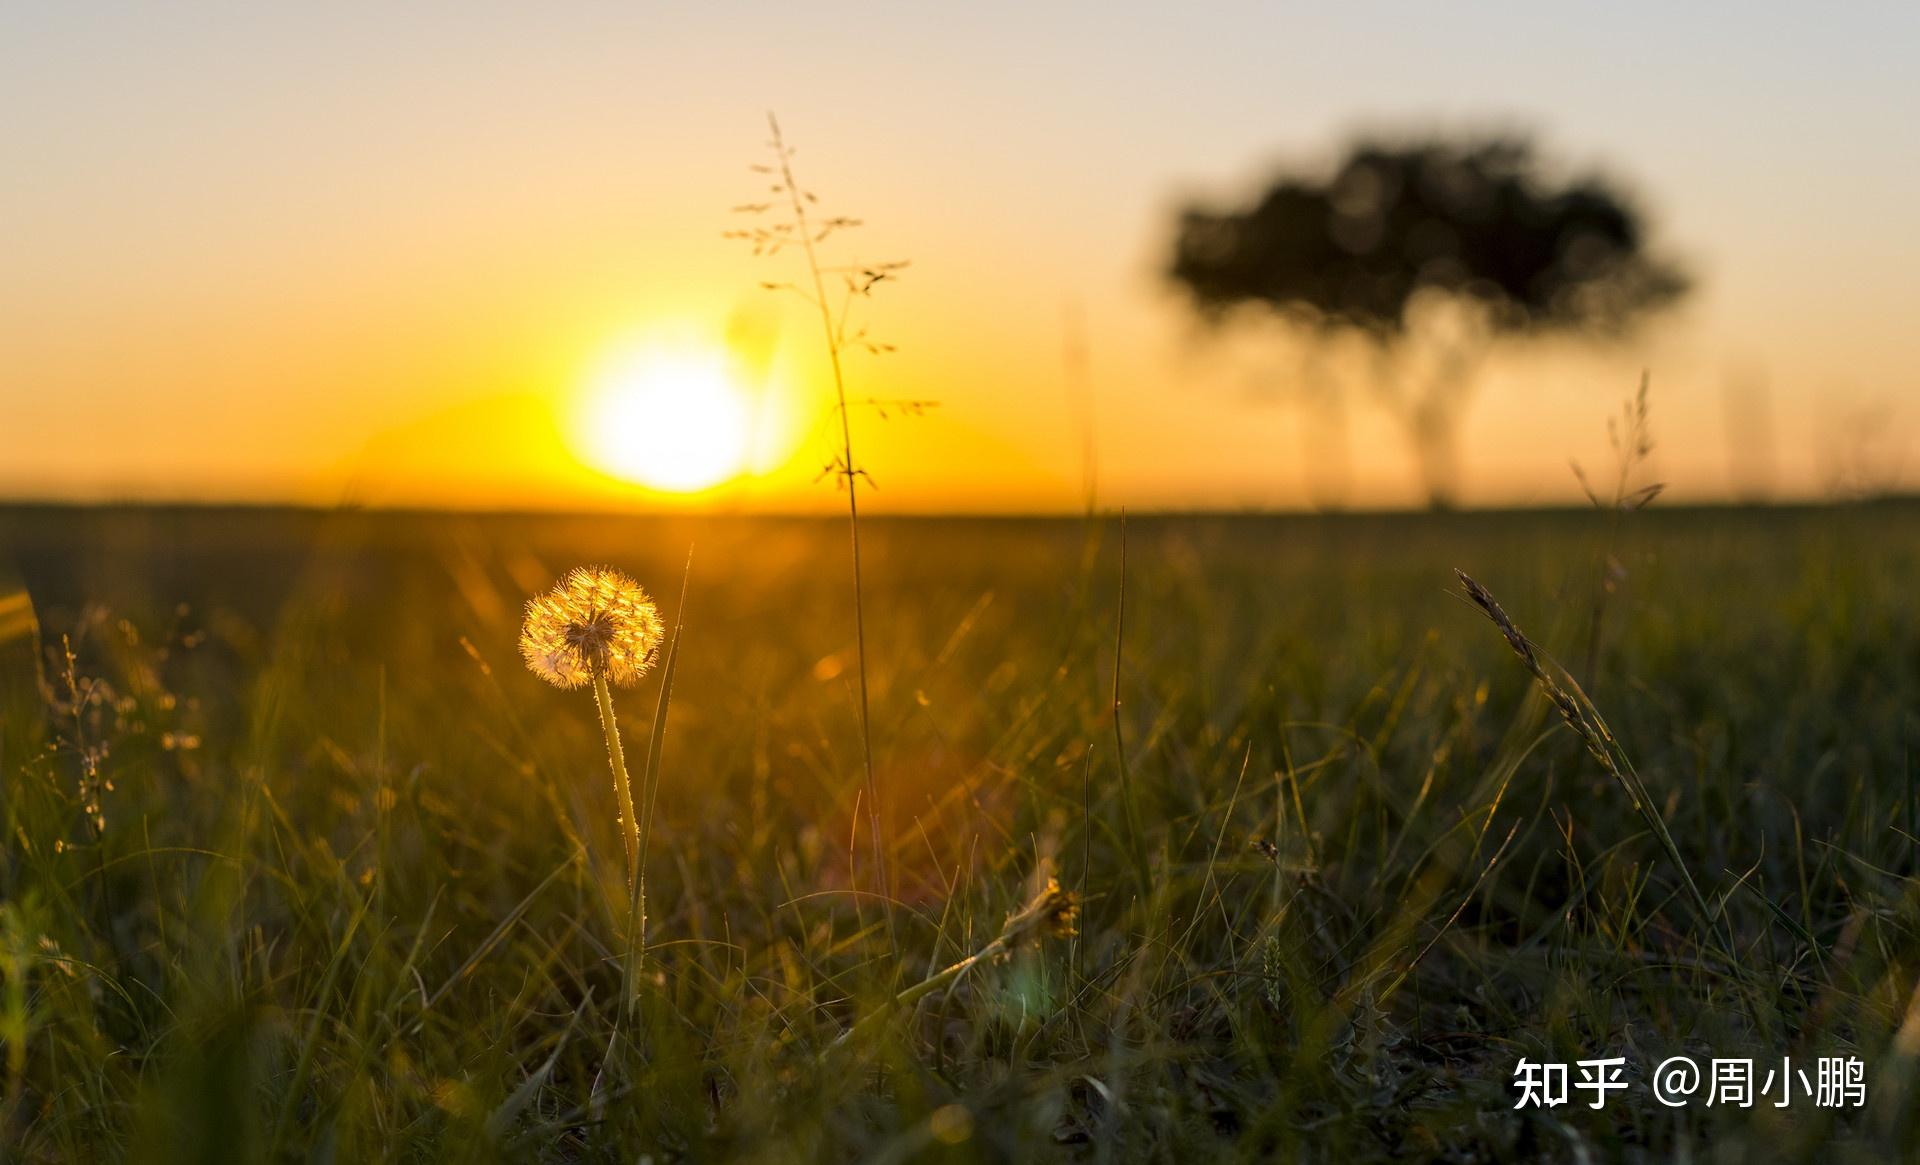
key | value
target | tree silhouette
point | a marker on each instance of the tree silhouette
(1432, 247)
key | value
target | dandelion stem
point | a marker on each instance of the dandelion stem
(622, 788)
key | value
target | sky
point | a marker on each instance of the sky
(399, 255)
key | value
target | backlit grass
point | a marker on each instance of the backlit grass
(354, 889)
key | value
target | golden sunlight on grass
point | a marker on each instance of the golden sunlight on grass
(675, 417)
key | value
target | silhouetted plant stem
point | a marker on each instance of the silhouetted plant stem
(849, 472)
(1134, 838)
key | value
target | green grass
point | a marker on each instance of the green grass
(375, 910)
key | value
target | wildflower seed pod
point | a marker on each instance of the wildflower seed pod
(596, 621)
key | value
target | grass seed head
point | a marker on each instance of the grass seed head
(595, 620)
(1063, 911)
(1053, 913)
(1483, 598)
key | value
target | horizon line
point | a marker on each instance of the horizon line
(281, 506)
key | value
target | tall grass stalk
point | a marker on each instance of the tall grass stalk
(1134, 836)
(650, 790)
(1631, 437)
(834, 339)
(1584, 718)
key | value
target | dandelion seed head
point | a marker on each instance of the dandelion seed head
(595, 620)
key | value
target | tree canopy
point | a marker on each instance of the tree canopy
(1403, 235)
(1477, 218)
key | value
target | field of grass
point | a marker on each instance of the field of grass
(301, 862)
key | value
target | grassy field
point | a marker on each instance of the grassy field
(301, 862)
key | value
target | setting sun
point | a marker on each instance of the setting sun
(669, 419)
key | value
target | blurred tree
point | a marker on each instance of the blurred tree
(1430, 251)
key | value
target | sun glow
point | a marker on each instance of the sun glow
(670, 418)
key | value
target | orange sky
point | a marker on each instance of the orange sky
(354, 253)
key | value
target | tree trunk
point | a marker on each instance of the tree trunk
(1435, 445)
(1432, 416)
(1325, 454)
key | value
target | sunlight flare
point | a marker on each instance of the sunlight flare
(676, 419)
